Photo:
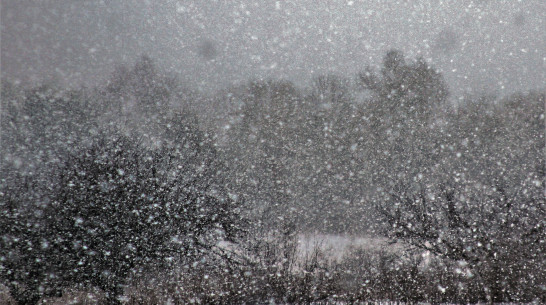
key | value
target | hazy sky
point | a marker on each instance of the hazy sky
(494, 46)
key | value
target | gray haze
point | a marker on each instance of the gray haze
(479, 46)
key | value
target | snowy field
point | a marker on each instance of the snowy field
(335, 246)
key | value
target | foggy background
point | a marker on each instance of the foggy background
(493, 47)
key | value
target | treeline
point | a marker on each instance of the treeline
(110, 186)
(320, 156)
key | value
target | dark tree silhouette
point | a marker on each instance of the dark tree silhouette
(116, 208)
(498, 231)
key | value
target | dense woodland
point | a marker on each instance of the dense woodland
(146, 191)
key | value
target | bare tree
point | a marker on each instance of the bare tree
(111, 209)
(497, 230)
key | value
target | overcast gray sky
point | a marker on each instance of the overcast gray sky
(493, 46)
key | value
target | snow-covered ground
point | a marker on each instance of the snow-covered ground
(336, 246)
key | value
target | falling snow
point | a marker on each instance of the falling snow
(272, 152)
